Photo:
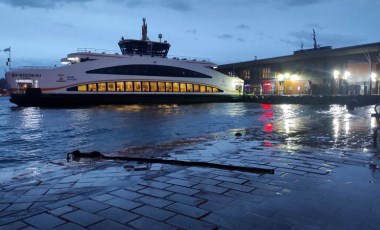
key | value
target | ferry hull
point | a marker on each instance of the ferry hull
(73, 100)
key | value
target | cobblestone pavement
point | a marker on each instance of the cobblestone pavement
(310, 189)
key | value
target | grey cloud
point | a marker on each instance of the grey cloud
(340, 39)
(135, 3)
(193, 31)
(224, 36)
(39, 3)
(323, 39)
(243, 26)
(241, 39)
(178, 5)
(293, 43)
(314, 26)
(64, 25)
(302, 35)
(302, 2)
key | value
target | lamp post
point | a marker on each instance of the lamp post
(336, 78)
(374, 79)
(281, 84)
(286, 77)
(346, 75)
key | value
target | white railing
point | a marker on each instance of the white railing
(34, 67)
(97, 51)
(187, 58)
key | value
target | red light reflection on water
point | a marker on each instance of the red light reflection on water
(267, 144)
(268, 127)
(268, 114)
(266, 106)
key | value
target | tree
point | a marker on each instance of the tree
(3, 87)
(3, 83)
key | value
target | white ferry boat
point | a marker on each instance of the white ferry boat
(142, 73)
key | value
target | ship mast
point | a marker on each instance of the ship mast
(315, 40)
(144, 31)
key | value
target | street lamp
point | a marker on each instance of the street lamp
(336, 74)
(374, 79)
(346, 75)
(337, 80)
(373, 76)
(281, 84)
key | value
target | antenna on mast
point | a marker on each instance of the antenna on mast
(315, 40)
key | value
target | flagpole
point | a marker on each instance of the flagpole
(9, 61)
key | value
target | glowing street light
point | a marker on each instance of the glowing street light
(336, 74)
(373, 76)
(346, 74)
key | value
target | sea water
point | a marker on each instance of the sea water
(33, 136)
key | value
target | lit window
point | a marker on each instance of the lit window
(182, 87)
(119, 86)
(111, 86)
(196, 88)
(209, 89)
(202, 88)
(215, 90)
(81, 88)
(169, 87)
(92, 87)
(153, 86)
(161, 86)
(101, 86)
(189, 87)
(137, 86)
(145, 86)
(175, 87)
(128, 86)
(266, 73)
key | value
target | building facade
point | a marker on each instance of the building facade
(350, 70)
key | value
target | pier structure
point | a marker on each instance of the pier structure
(321, 70)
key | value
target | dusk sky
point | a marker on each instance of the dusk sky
(41, 32)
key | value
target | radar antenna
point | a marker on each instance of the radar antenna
(160, 36)
(144, 31)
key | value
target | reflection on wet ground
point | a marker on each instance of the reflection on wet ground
(325, 127)
(326, 174)
(31, 138)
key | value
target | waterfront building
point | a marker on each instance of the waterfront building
(353, 70)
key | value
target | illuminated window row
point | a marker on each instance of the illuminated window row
(149, 70)
(145, 86)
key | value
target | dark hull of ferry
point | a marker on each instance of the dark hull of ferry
(33, 98)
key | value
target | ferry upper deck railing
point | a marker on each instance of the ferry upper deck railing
(98, 51)
(31, 67)
(115, 52)
(35, 67)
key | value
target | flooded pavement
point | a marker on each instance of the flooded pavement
(312, 188)
(325, 169)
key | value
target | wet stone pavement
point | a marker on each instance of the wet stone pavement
(310, 189)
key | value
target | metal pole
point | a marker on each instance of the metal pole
(370, 77)
(10, 60)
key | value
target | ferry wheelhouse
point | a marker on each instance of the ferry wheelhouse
(142, 73)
